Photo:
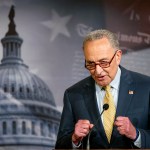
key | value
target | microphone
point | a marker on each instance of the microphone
(105, 107)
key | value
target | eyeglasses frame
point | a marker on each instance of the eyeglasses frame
(99, 62)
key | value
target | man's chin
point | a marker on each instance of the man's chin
(102, 82)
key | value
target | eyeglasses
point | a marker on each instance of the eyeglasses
(103, 64)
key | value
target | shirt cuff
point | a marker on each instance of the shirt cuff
(76, 146)
(137, 141)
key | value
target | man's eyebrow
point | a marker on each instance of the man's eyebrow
(89, 61)
(100, 60)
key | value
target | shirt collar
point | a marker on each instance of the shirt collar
(115, 83)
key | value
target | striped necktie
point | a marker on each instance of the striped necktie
(109, 115)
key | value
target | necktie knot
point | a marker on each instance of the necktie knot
(107, 88)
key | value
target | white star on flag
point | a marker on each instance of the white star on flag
(57, 25)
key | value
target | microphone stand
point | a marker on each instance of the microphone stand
(105, 107)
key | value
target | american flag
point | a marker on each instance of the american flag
(53, 32)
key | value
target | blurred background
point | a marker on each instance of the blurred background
(53, 32)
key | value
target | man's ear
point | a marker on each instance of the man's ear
(118, 56)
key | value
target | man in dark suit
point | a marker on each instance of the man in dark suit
(83, 102)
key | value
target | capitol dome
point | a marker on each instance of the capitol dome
(16, 80)
(28, 113)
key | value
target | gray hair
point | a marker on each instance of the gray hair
(101, 33)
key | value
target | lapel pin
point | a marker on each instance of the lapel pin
(131, 92)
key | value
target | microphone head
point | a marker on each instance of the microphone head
(105, 106)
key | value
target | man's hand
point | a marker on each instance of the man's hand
(82, 128)
(125, 127)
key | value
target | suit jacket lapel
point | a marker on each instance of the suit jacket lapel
(92, 107)
(90, 100)
(126, 92)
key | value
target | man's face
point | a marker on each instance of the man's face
(100, 51)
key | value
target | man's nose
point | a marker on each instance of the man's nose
(98, 69)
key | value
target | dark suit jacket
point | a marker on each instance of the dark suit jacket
(80, 103)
